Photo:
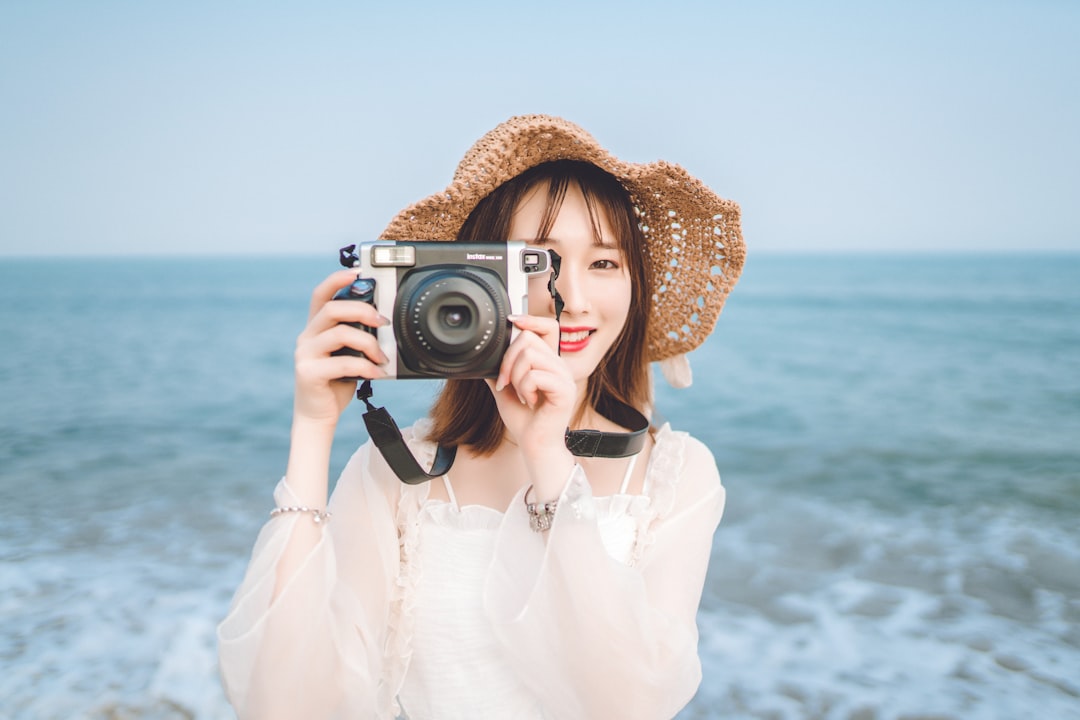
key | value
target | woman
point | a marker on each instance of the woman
(527, 582)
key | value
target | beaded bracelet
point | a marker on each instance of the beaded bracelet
(541, 515)
(317, 516)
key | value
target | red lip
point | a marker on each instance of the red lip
(567, 346)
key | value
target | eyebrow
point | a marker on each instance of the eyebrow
(555, 241)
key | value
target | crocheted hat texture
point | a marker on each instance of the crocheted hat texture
(693, 237)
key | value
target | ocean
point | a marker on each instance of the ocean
(899, 436)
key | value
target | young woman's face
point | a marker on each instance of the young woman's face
(593, 280)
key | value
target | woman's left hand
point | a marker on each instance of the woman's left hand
(534, 391)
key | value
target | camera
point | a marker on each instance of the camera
(447, 302)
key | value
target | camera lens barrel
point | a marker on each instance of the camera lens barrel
(452, 319)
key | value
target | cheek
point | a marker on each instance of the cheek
(619, 300)
(539, 297)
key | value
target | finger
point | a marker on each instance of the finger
(524, 359)
(504, 395)
(545, 328)
(338, 337)
(533, 360)
(542, 385)
(525, 341)
(325, 290)
(334, 312)
(337, 367)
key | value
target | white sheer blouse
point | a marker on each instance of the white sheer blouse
(415, 607)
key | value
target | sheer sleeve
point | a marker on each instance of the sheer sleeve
(594, 637)
(317, 649)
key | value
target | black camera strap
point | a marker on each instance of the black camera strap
(387, 436)
(599, 443)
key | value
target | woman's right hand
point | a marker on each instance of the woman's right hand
(321, 395)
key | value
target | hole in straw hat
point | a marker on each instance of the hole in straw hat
(716, 270)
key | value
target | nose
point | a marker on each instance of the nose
(571, 287)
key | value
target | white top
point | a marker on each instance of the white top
(415, 606)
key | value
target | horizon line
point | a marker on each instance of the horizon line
(271, 254)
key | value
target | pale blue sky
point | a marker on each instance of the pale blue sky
(227, 127)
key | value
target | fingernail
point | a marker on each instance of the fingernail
(522, 399)
(383, 321)
(514, 318)
(499, 385)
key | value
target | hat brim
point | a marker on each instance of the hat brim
(693, 237)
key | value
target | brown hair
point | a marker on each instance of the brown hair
(464, 413)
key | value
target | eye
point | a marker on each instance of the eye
(605, 264)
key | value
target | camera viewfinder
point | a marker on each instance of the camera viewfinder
(534, 261)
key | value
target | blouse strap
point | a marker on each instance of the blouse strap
(450, 491)
(629, 472)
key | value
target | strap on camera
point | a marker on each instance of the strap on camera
(598, 443)
(387, 437)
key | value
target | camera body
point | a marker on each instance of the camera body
(447, 302)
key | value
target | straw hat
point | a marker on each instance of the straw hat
(693, 237)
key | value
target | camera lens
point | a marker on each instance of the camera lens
(454, 316)
(447, 318)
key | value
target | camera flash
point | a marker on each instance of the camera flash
(393, 255)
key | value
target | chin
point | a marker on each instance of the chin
(581, 369)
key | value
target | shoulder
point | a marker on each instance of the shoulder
(697, 457)
(682, 451)
(682, 468)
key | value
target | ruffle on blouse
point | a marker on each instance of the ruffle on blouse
(400, 632)
(468, 518)
(665, 466)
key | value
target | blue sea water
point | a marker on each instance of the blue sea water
(899, 436)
